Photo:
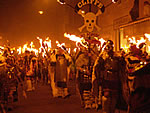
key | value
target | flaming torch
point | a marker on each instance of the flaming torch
(76, 39)
(147, 35)
(41, 49)
(47, 44)
(148, 43)
(62, 46)
(137, 42)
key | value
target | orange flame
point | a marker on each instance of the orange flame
(59, 45)
(147, 36)
(125, 48)
(75, 50)
(69, 50)
(25, 47)
(76, 39)
(47, 45)
(102, 41)
(47, 42)
(41, 49)
(1, 47)
(137, 42)
(148, 43)
(19, 50)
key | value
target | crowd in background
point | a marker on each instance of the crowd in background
(103, 76)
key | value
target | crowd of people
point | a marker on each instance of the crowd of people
(106, 79)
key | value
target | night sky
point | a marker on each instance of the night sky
(20, 21)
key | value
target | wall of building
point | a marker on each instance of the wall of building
(114, 16)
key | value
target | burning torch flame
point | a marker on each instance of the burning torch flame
(60, 45)
(31, 45)
(76, 39)
(132, 40)
(41, 49)
(1, 49)
(24, 48)
(73, 37)
(102, 41)
(137, 42)
(21, 50)
(125, 48)
(147, 35)
(75, 50)
(47, 43)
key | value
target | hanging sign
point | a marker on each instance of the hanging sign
(82, 3)
(90, 17)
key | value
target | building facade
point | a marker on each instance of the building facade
(125, 18)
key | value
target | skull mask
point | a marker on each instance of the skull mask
(90, 21)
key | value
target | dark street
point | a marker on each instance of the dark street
(41, 101)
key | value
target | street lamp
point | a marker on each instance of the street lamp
(40, 12)
(114, 1)
(61, 1)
